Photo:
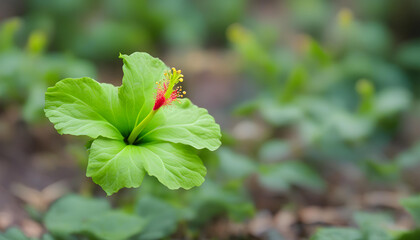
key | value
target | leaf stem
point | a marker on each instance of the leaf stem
(137, 130)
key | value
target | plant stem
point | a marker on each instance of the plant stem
(137, 130)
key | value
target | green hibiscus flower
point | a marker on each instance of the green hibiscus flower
(141, 127)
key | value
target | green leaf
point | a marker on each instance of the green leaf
(32, 109)
(316, 52)
(409, 235)
(351, 127)
(409, 157)
(337, 234)
(83, 107)
(294, 84)
(79, 215)
(391, 101)
(69, 213)
(281, 176)
(235, 165)
(409, 55)
(13, 234)
(212, 199)
(184, 123)
(114, 225)
(114, 164)
(274, 150)
(373, 225)
(280, 115)
(8, 30)
(412, 206)
(47, 236)
(246, 108)
(382, 171)
(161, 218)
(102, 40)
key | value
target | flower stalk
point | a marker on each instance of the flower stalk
(165, 95)
(137, 130)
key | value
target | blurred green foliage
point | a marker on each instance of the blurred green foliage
(332, 83)
(375, 226)
(17, 234)
(27, 71)
(345, 96)
(371, 226)
(100, 30)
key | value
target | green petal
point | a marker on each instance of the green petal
(86, 107)
(83, 107)
(141, 72)
(185, 123)
(115, 165)
(174, 165)
(107, 113)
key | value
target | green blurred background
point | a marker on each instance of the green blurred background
(318, 102)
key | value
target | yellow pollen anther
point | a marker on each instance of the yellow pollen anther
(184, 92)
(181, 79)
(179, 71)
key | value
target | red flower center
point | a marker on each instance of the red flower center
(165, 94)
